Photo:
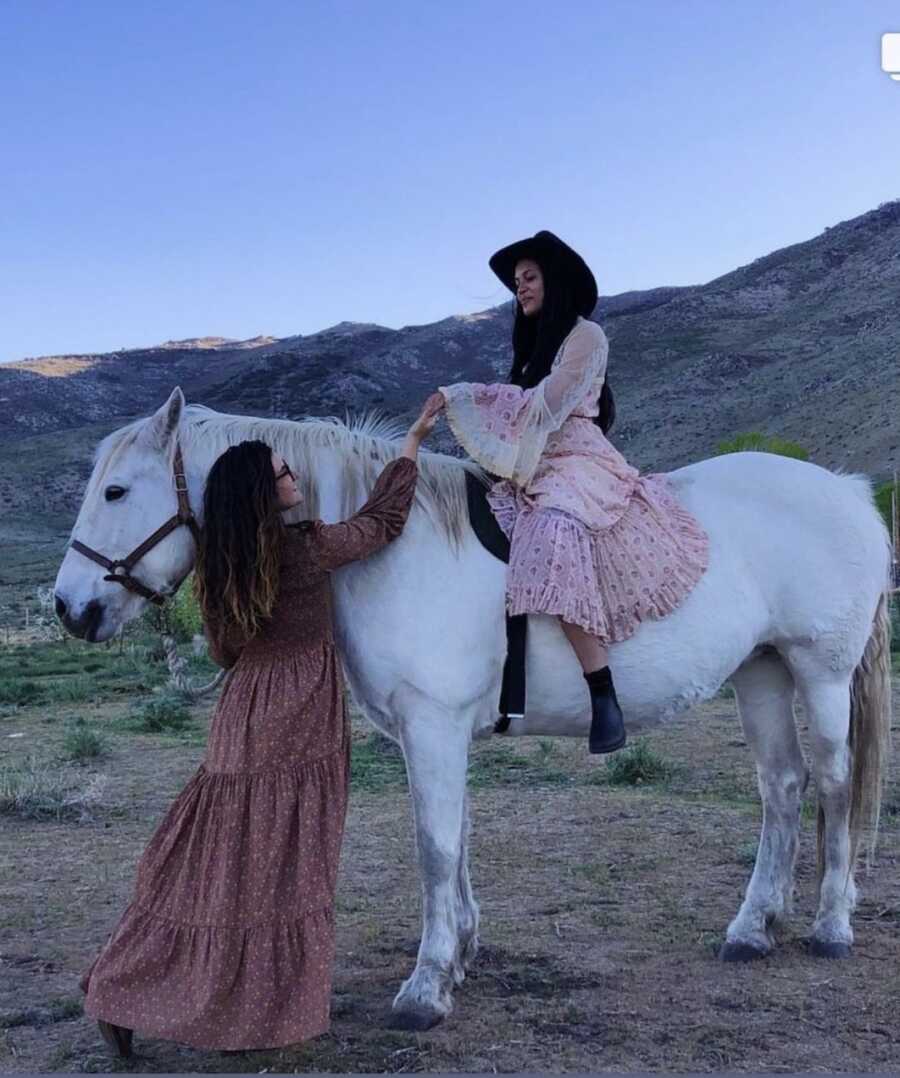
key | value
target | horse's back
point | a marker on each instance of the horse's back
(796, 516)
(810, 542)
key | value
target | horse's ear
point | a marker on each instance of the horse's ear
(162, 425)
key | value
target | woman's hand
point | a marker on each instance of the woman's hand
(423, 425)
(435, 403)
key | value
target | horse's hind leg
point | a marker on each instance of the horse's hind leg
(765, 693)
(826, 697)
(467, 907)
(436, 752)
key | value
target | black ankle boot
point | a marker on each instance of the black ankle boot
(607, 725)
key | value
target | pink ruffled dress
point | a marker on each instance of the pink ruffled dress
(592, 541)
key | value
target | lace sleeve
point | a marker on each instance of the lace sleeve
(504, 428)
(583, 361)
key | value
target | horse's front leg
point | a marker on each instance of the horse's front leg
(436, 746)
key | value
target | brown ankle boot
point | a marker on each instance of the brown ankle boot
(117, 1037)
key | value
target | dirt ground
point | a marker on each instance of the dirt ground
(602, 911)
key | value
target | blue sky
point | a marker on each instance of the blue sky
(178, 169)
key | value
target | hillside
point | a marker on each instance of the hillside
(803, 343)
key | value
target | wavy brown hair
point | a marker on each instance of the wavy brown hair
(239, 554)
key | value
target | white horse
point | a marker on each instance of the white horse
(793, 601)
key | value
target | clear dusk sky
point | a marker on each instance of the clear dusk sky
(184, 168)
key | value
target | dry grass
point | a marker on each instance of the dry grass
(603, 907)
(37, 789)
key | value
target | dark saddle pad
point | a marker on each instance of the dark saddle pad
(494, 541)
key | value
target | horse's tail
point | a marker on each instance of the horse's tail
(869, 738)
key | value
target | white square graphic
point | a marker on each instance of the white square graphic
(890, 55)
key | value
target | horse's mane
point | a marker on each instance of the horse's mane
(365, 444)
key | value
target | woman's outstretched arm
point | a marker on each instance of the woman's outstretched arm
(504, 427)
(384, 515)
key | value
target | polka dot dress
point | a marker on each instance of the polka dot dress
(229, 939)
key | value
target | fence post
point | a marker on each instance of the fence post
(895, 534)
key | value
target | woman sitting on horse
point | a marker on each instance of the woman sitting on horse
(592, 541)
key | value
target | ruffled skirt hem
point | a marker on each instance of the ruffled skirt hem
(228, 942)
(266, 986)
(607, 582)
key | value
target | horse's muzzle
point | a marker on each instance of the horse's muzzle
(85, 625)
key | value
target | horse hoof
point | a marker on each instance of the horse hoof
(740, 952)
(414, 1019)
(829, 948)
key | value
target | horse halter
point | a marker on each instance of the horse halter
(120, 568)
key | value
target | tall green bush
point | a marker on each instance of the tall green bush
(761, 443)
(183, 612)
(180, 617)
(883, 500)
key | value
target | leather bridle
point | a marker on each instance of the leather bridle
(119, 569)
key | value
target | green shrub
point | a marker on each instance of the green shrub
(19, 691)
(83, 742)
(180, 618)
(376, 763)
(761, 443)
(499, 764)
(637, 765)
(74, 689)
(883, 494)
(183, 613)
(165, 712)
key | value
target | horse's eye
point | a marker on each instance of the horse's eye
(112, 494)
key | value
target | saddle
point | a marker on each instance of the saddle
(492, 538)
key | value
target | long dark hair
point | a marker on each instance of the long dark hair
(239, 554)
(536, 340)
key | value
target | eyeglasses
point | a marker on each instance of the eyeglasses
(285, 471)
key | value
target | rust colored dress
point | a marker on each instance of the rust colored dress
(229, 939)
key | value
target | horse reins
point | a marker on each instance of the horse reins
(119, 569)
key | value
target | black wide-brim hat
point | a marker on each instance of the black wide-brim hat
(554, 257)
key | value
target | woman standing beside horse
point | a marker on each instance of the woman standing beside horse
(229, 939)
(591, 540)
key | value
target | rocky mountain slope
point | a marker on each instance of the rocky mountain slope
(803, 343)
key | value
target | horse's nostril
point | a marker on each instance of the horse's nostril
(60, 606)
(91, 618)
